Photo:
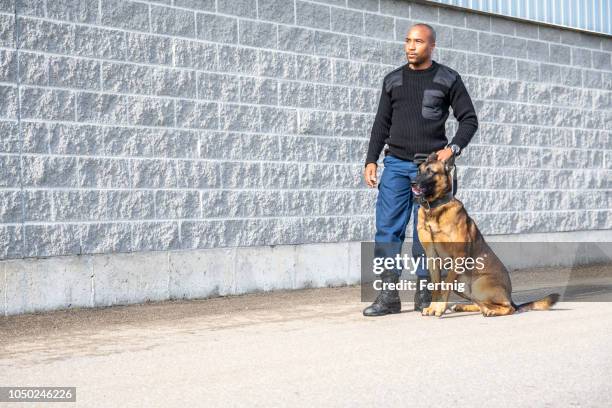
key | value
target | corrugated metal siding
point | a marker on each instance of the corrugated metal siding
(592, 15)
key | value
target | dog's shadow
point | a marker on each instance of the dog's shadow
(452, 315)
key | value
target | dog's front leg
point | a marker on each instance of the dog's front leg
(439, 296)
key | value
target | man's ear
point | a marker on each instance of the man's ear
(432, 157)
(449, 163)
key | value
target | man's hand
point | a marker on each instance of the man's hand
(370, 174)
(444, 154)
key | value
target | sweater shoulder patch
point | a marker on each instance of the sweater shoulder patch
(393, 79)
(445, 76)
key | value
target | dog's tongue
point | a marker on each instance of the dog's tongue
(417, 190)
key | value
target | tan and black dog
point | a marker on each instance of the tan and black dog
(446, 231)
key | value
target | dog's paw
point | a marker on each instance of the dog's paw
(435, 309)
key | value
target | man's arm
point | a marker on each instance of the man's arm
(464, 113)
(380, 128)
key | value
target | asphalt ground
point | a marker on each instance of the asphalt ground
(314, 348)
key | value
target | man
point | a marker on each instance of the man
(411, 119)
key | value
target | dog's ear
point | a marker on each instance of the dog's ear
(432, 157)
(449, 163)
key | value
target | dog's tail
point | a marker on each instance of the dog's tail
(542, 304)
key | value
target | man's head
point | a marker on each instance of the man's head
(419, 43)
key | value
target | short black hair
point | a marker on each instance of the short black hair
(432, 32)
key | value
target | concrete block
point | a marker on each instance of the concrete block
(278, 120)
(148, 49)
(121, 141)
(202, 234)
(52, 240)
(268, 268)
(177, 204)
(528, 71)
(276, 64)
(128, 205)
(74, 205)
(378, 26)
(281, 175)
(73, 10)
(602, 60)
(7, 30)
(242, 8)
(125, 14)
(147, 173)
(11, 242)
(10, 207)
(464, 39)
(10, 142)
(321, 265)
(126, 78)
(212, 27)
(296, 39)
(197, 55)
(452, 17)
(504, 68)
(198, 174)
(238, 59)
(8, 102)
(280, 11)
(205, 5)
(490, 43)
(39, 285)
(37, 103)
(74, 73)
(515, 47)
(330, 44)
(34, 35)
(218, 87)
(239, 117)
(198, 115)
(103, 173)
(37, 206)
(172, 21)
(330, 97)
(100, 43)
(259, 91)
(365, 49)
(314, 69)
(106, 237)
(150, 111)
(8, 66)
(315, 123)
(130, 278)
(478, 22)
(418, 12)
(155, 236)
(48, 171)
(312, 15)
(256, 34)
(173, 82)
(33, 69)
(101, 108)
(347, 21)
(201, 274)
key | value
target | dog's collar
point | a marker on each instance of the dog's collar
(427, 206)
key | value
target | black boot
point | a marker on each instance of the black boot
(387, 301)
(422, 298)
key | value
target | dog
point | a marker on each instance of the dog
(446, 230)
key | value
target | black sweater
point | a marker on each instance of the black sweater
(413, 109)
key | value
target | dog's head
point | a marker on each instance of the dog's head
(434, 178)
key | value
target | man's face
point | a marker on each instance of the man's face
(418, 45)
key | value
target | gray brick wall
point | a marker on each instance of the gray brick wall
(180, 124)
